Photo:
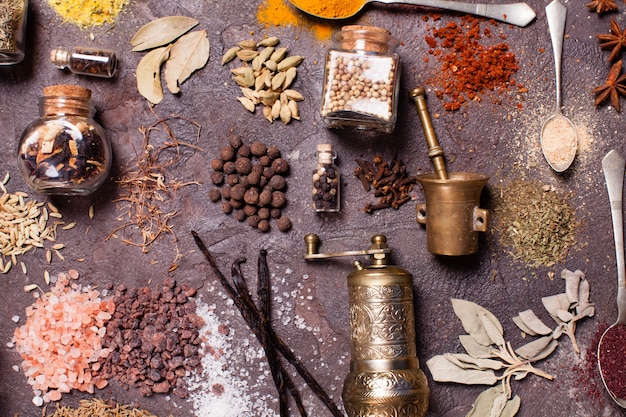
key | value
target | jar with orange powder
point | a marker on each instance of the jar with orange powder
(361, 80)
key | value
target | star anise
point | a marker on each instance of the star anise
(614, 86)
(602, 6)
(616, 40)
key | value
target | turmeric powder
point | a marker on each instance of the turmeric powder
(280, 13)
(330, 9)
(86, 13)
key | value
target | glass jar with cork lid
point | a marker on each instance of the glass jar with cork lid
(326, 181)
(65, 151)
(361, 80)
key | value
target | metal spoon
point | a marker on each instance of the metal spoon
(613, 165)
(559, 140)
(519, 14)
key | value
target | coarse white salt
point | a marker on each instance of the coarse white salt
(15, 319)
(216, 390)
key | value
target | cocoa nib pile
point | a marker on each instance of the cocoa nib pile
(154, 338)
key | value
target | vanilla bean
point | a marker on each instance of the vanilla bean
(279, 344)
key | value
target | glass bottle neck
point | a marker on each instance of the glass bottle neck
(59, 106)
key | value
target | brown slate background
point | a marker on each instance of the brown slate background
(497, 140)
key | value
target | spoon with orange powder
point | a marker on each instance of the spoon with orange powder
(519, 14)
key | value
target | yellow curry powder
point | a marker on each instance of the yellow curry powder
(86, 13)
(331, 9)
(279, 13)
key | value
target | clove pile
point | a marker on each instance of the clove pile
(259, 320)
(390, 181)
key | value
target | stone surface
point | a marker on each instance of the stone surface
(500, 140)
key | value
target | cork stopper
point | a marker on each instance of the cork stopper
(67, 90)
(325, 153)
(60, 58)
(366, 38)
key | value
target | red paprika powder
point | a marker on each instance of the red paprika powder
(612, 358)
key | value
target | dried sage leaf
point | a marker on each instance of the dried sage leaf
(537, 349)
(522, 326)
(583, 292)
(149, 74)
(474, 348)
(572, 281)
(162, 31)
(494, 332)
(468, 362)
(564, 315)
(188, 54)
(534, 323)
(442, 370)
(554, 303)
(485, 401)
(512, 407)
(468, 312)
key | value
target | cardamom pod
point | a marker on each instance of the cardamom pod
(289, 62)
(278, 54)
(267, 113)
(278, 80)
(239, 71)
(271, 65)
(271, 41)
(247, 44)
(241, 81)
(250, 94)
(285, 113)
(255, 63)
(246, 55)
(290, 75)
(295, 110)
(230, 54)
(293, 95)
(259, 82)
(268, 79)
(249, 77)
(265, 54)
(247, 103)
(276, 110)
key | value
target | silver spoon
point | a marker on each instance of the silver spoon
(519, 14)
(559, 140)
(613, 165)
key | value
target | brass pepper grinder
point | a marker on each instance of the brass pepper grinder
(384, 378)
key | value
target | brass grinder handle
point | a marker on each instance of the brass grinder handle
(435, 152)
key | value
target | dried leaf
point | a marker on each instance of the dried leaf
(468, 312)
(572, 281)
(484, 402)
(537, 349)
(554, 303)
(494, 332)
(565, 316)
(188, 54)
(442, 370)
(588, 311)
(583, 292)
(474, 348)
(149, 74)
(523, 327)
(534, 323)
(512, 407)
(558, 331)
(468, 362)
(162, 31)
(498, 405)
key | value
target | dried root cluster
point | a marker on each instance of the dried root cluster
(265, 78)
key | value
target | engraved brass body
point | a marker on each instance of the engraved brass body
(384, 378)
(451, 213)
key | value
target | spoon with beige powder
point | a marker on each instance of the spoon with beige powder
(559, 140)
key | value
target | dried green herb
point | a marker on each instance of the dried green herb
(488, 352)
(11, 13)
(98, 408)
(536, 222)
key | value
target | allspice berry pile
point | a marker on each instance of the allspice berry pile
(250, 184)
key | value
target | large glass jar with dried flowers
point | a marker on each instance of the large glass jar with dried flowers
(361, 80)
(13, 15)
(65, 151)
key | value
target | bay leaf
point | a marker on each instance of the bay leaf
(523, 327)
(534, 323)
(161, 32)
(188, 54)
(149, 74)
(484, 402)
(468, 312)
(537, 349)
(494, 332)
(554, 303)
(442, 370)
(474, 348)
(465, 361)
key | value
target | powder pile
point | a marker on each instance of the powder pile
(61, 342)
(280, 13)
(469, 66)
(85, 13)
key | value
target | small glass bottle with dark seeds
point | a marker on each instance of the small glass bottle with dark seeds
(326, 181)
(65, 151)
(85, 61)
(361, 80)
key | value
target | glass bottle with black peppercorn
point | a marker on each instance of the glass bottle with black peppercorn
(65, 151)
(326, 177)
(85, 61)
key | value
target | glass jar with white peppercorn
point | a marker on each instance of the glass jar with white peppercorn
(361, 80)
(326, 177)
(65, 151)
